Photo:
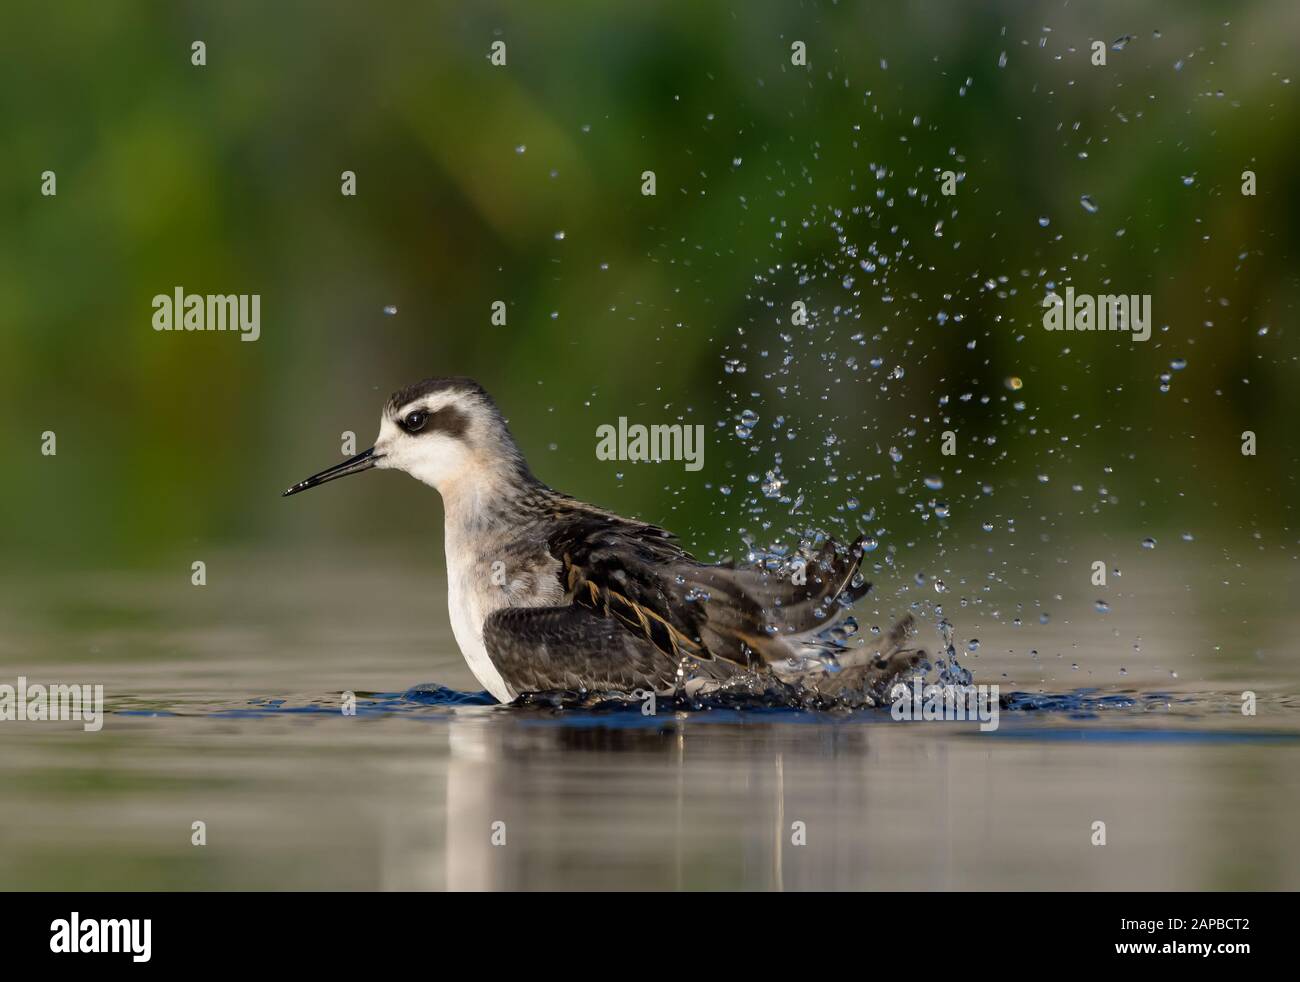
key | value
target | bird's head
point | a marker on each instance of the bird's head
(446, 432)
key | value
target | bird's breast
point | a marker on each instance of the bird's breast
(485, 578)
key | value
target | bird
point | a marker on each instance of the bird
(549, 594)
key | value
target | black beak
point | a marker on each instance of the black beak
(354, 465)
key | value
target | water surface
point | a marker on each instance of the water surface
(224, 708)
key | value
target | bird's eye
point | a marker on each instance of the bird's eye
(415, 421)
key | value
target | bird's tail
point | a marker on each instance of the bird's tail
(784, 617)
(866, 673)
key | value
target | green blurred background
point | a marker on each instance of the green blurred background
(775, 183)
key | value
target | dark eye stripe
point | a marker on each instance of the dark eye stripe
(446, 420)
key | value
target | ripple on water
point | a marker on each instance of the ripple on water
(1086, 713)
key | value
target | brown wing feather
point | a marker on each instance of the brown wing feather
(636, 574)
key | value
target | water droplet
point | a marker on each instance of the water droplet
(1148, 543)
(520, 149)
(1044, 221)
(1013, 382)
(934, 483)
(1002, 60)
(390, 310)
(1089, 205)
(1102, 607)
(559, 236)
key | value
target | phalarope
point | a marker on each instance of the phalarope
(549, 593)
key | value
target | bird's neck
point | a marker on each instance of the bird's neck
(485, 507)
